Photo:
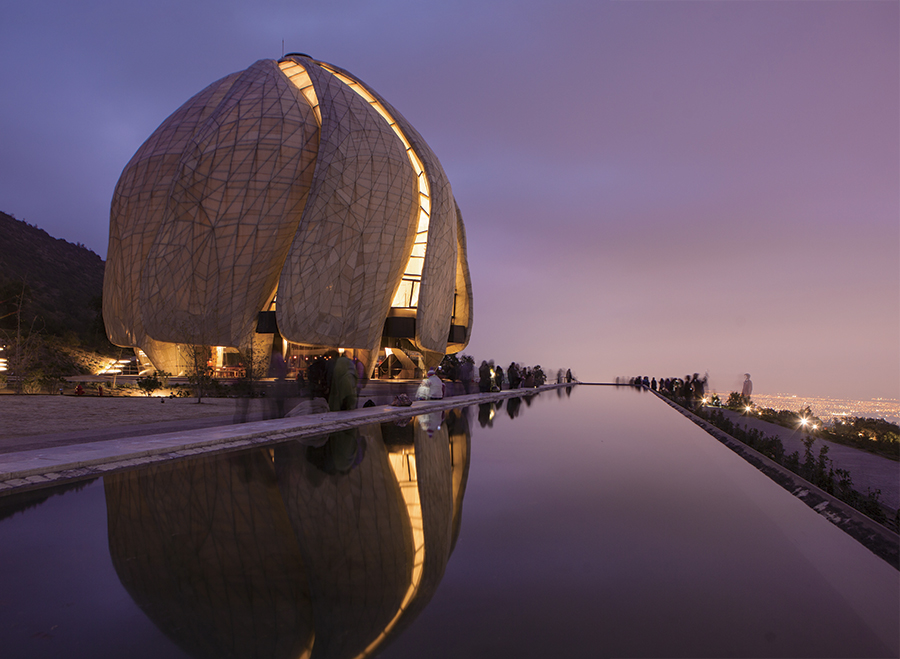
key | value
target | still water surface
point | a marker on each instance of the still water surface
(597, 524)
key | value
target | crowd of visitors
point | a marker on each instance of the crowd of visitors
(338, 378)
(491, 377)
(690, 390)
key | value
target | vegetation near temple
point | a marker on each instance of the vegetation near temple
(50, 306)
(817, 469)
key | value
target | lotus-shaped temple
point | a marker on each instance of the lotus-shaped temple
(287, 207)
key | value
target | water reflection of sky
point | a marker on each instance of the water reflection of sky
(608, 525)
(601, 524)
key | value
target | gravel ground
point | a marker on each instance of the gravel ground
(25, 415)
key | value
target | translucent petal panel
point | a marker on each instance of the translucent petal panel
(415, 161)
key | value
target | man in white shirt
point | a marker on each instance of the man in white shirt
(435, 386)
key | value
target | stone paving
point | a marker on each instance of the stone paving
(70, 457)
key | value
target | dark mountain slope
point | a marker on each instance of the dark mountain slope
(63, 283)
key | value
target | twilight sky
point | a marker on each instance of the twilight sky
(656, 187)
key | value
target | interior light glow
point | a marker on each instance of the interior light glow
(300, 78)
(406, 296)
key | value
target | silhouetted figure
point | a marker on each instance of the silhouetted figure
(318, 378)
(699, 389)
(653, 384)
(528, 381)
(512, 407)
(498, 377)
(467, 375)
(513, 375)
(568, 375)
(484, 377)
(747, 389)
(343, 385)
(361, 378)
(301, 383)
(277, 390)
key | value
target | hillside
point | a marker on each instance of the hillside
(63, 284)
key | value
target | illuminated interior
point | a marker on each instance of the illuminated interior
(300, 78)
(407, 295)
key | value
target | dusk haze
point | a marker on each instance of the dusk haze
(653, 188)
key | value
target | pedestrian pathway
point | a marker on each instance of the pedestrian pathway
(868, 471)
(69, 457)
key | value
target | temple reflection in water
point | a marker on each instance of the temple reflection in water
(326, 548)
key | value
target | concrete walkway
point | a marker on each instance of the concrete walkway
(44, 460)
(868, 471)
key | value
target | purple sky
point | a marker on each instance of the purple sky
(648, 187)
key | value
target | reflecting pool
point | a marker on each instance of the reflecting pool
(599, 523)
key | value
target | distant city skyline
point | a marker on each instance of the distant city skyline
(825, 408)
(648, 187)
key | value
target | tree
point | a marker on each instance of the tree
(199, 372)
(149, 384)
(736, 402)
